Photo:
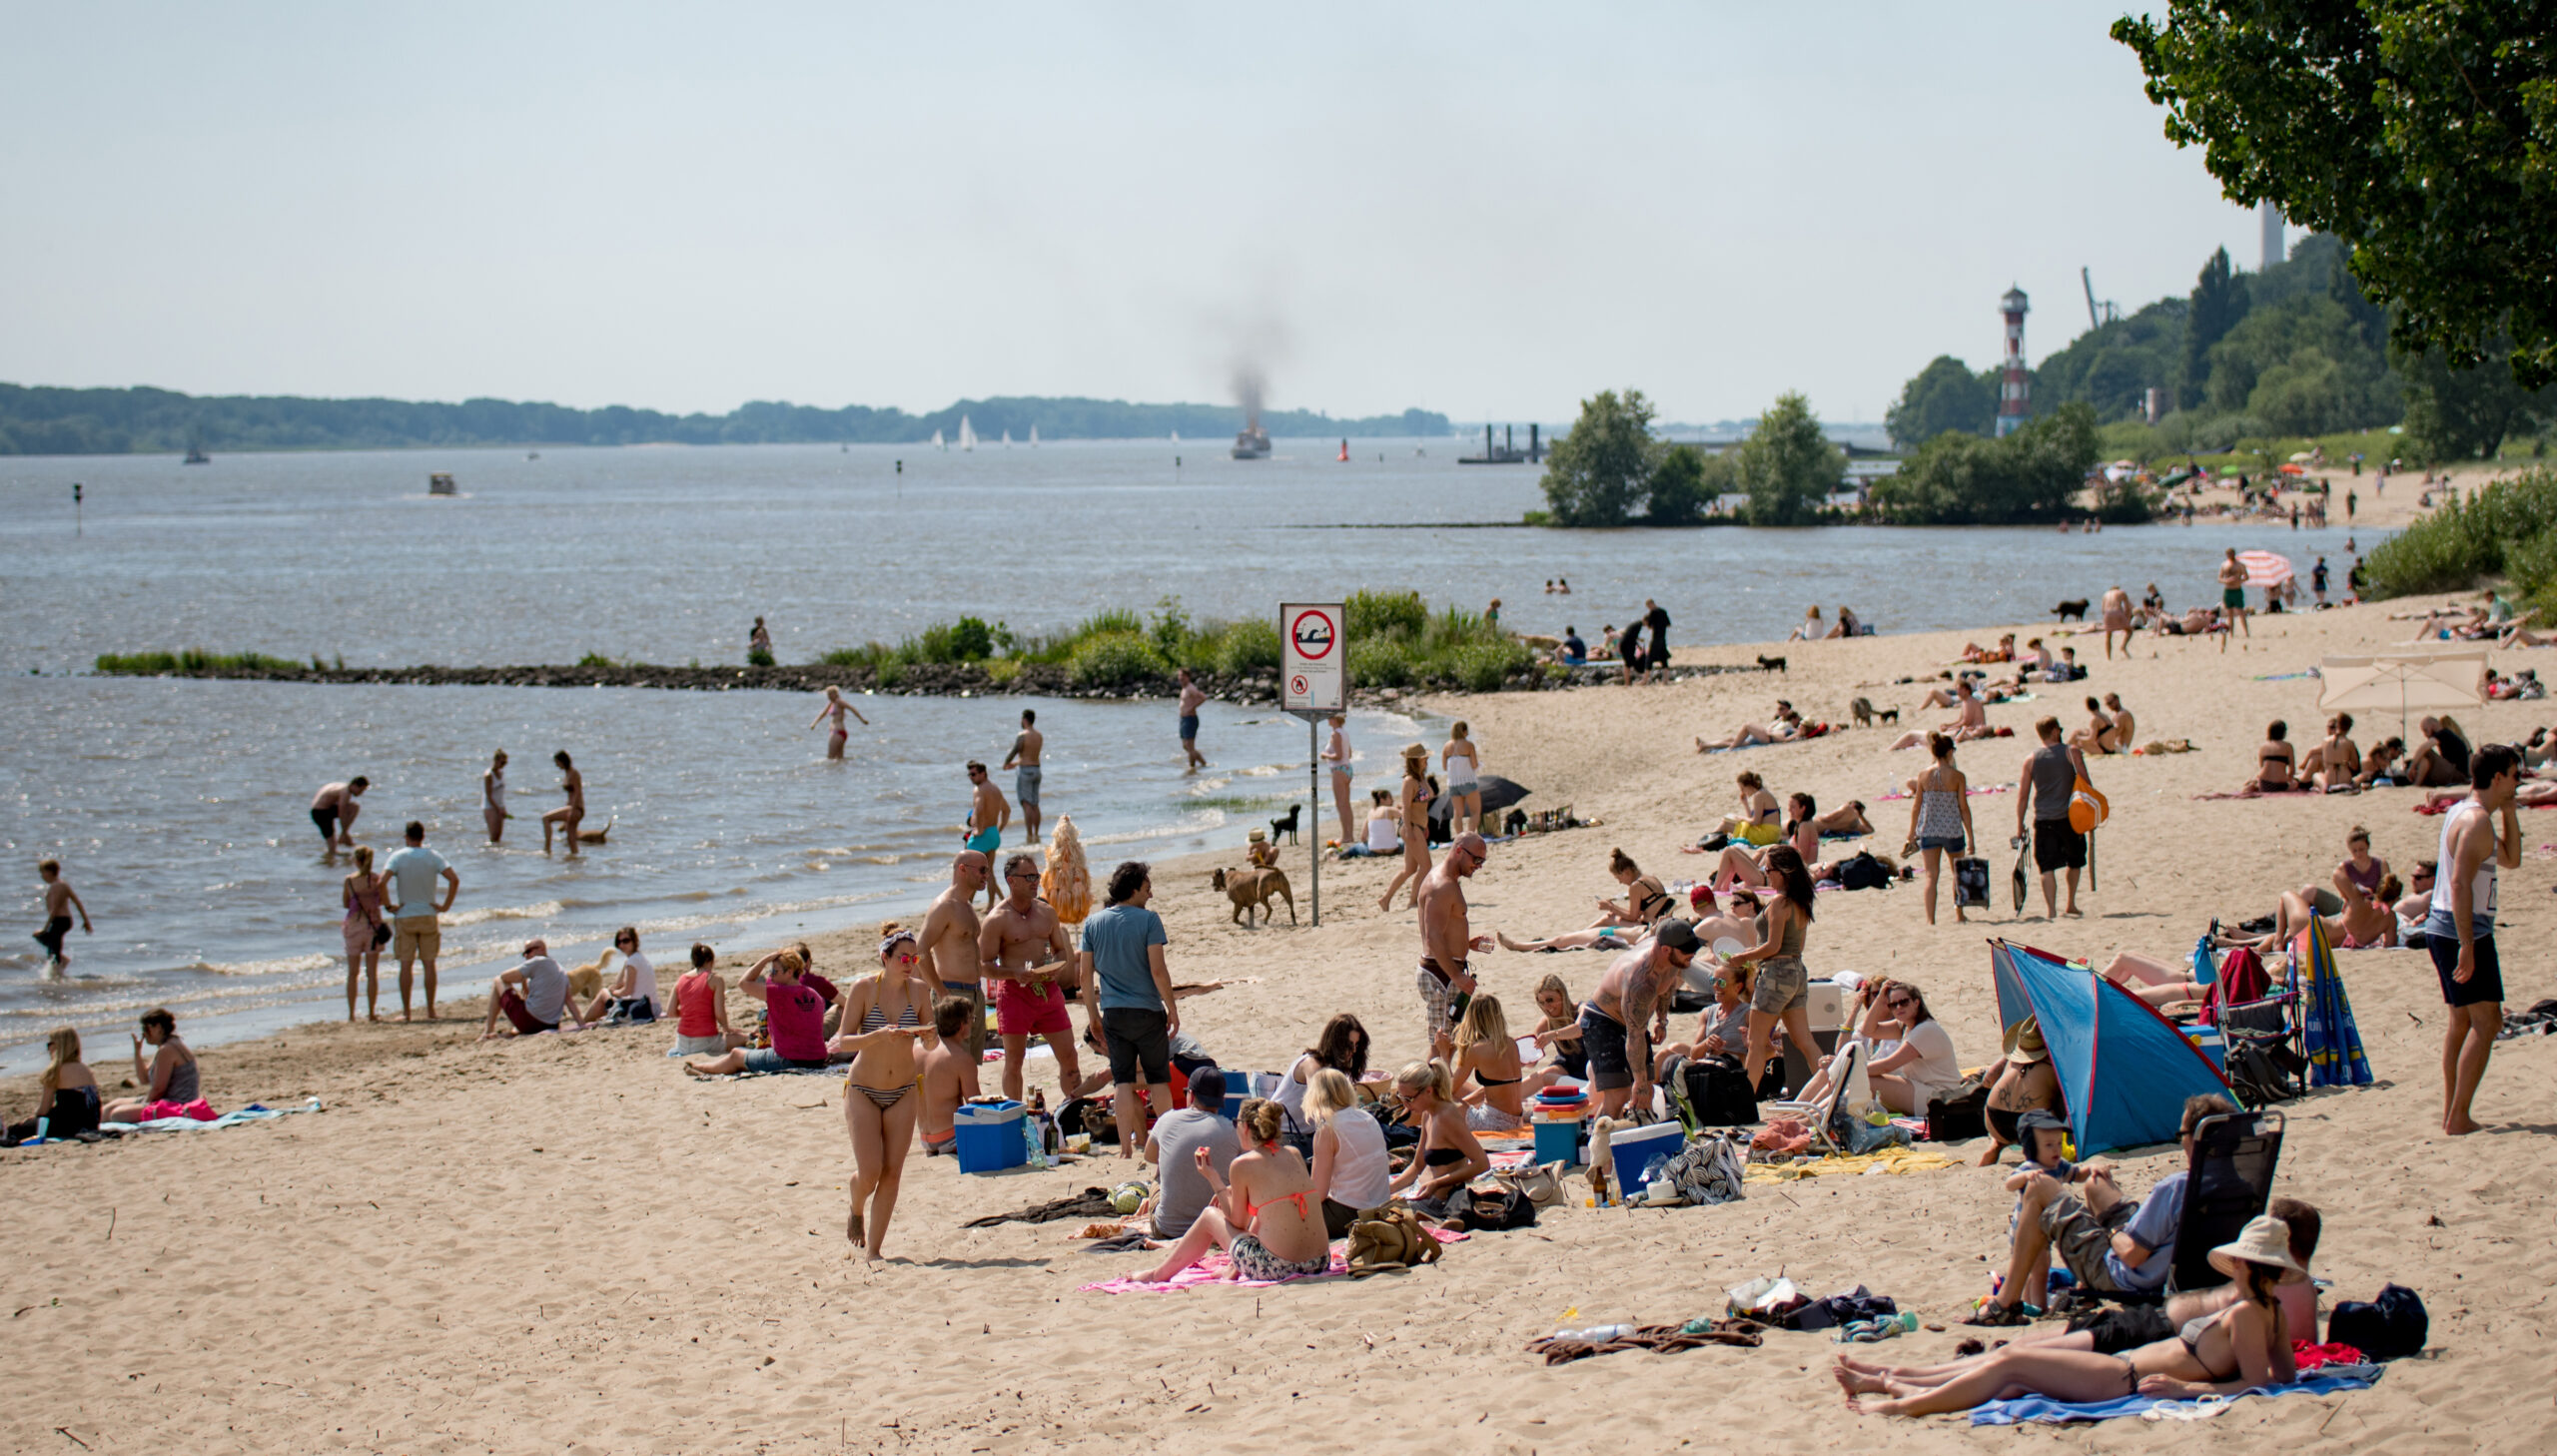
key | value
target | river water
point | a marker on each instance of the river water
(179, 807)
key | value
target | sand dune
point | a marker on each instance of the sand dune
(563, 1244)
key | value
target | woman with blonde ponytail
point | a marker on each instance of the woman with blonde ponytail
(1448, 1158)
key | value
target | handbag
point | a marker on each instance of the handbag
(1970, 883)
(381, 934)
(1958, 1114)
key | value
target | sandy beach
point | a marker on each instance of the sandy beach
(561, 1244)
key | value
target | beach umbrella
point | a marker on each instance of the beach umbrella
(1497, 794)
(2401, 682)
(2266, 568)
(2292, 469)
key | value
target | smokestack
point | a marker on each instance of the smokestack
(1535, 454)
(2275, 252)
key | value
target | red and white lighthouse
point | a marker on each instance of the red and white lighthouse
(2013, 404)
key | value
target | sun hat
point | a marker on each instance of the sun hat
(2266, 1240)
(2024, 1041)
(1257, 835)
(1415, 750)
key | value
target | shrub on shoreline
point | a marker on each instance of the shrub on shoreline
(2507, 529)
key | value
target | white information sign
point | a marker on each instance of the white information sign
(1313, 649)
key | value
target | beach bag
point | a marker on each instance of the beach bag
(1707, 1171)
(1388, 1238)
(1958, 1114)
(1712, 1091)
(1498, 1211)
(381, 934)
(2391, 1327)
(1863, 872)
(1970, 883)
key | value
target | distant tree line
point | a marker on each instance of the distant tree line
(2295, 350)
(53, 422)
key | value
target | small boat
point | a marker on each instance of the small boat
(1252, 443)
(197, 456)
(966, 434)
(937, 442)
(1007, 439)
(533, 454)
(440, 485)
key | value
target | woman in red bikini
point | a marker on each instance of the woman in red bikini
(1263, 1214)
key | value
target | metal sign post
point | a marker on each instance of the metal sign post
(1313, 684)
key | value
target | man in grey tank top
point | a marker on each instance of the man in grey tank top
(2048, 780)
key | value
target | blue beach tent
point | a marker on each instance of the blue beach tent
(2123, 1069)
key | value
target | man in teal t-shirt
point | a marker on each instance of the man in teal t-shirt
(1126, 997)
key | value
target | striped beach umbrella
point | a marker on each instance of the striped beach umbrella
(2266, 568)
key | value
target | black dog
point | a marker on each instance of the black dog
(1286, 824)
(2068, 610)
(1772, 664)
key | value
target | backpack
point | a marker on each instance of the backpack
(1970, 883)
(2387, 1328)
(1958, 1114)
(1711, 1092)
(1863, 872)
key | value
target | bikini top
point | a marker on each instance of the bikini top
(2192, 1334)
(875, 1017)
(1650, 901)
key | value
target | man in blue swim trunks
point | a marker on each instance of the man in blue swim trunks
(1192, 700)
(987, 813)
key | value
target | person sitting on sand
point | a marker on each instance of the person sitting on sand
(1558, 1031)
(2005, 651)
(1352, 1171)
(2020, 1081)
(1620, 922)
(169, 1083)
(2274, 765)
(532, 997)
(2242, 1346)
(1723, 1030)
(1972, 722)
(949, 1076)
(793, 1013)
(1741, 865)
(2335, 763)
(2113, 1245)
(1756, 822)
(633, 997)
(1262, 1212)
(1258, 852)
(878, 1112)
(1187, 1145)
(67, 1097)
(701, 1009)
(2045, 1135)
(1847, 625)
(1735, 918)
(1342, 1046)
(2384, 766)
(1810, 628)
(1383, 830)
(2441, 760)
(1487, 1057)
(1785, 727)
(2099, 735)
(1448, 1158)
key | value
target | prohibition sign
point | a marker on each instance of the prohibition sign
(1312, 632)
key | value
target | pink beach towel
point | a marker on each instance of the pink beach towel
(199, 1110)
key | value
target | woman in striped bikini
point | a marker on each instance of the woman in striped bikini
(878, 1100)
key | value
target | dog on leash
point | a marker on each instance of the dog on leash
(1867, 714)
(1251, 889)
(1285, 826)
(1771, 664)
(2072, 611)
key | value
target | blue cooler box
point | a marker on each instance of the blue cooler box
(1638, 1149)
(990, 1137)
(1559, 1142)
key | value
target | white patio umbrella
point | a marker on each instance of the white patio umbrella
(2401, 682)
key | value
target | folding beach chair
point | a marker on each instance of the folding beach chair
(1847, 1079)
(2229, 1183)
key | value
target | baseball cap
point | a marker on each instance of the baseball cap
(2039, 1120)
(1677, 934)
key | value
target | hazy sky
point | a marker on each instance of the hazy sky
(1478, 209)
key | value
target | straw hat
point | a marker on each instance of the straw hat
(1415, 750)
(2266, 1240)
(2024, 1041)
(1258, 835)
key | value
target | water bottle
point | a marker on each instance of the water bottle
(1596, 1334)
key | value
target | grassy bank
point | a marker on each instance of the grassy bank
(195, 662)
(1395, 641)
(2508, 530)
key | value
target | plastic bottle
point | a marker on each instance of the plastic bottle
(1596, 1334)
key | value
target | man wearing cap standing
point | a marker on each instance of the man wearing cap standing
(1630, 1013)
(1445, 941)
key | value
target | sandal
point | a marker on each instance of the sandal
(1994, 1315)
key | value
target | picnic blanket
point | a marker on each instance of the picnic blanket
(1864, 1165)
(1217, 1269)
(254, 1113)
(1658, 1338)
(2327, 1381)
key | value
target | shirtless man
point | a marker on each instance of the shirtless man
(2233, 591)
(1025, 949)
(2117, 619)
(988, 814)
(1971, 723)
(1192, 700)
(59, 901)
(1024, 762)
(948, 1075)
(335, 809)
(952, 962)
(567, 816)
(1445, 939)
(1630, 1013)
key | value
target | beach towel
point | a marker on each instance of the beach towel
(1562, 1349)
(2329, 1381)
(1217, 1269)
(190, 1119)
(2327, 1014)
(1865, 1165)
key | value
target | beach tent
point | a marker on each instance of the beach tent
(2124, 1070)
(2266, 568)
(2404, 683)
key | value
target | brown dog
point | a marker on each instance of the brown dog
(1251, 889)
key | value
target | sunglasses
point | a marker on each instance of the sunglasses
(1025, 873)
(1901, 1001)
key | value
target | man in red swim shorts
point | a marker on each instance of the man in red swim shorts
(1025, 950)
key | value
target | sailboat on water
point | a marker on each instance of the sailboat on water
(1007, 439)
(939, 443)
(966, 434)
(1034, 437)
